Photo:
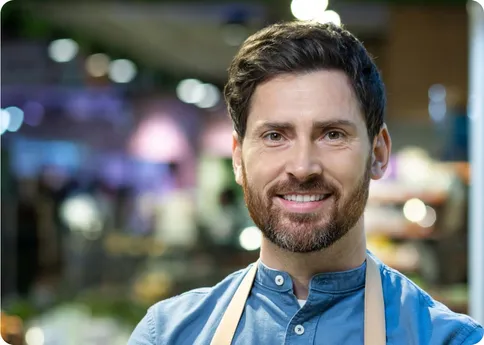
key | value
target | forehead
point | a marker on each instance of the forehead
(319, 95)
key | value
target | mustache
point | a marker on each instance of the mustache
(315, 184)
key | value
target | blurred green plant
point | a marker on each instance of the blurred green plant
(22, 308)
(99, 304)
(120, 308)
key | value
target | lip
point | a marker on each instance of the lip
(303, 207)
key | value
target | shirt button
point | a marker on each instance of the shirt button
(299, 329)
(279, 280)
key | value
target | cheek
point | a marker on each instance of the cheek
(261, 170)
(348, 168)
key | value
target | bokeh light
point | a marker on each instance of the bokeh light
(415, 210)
(34, 336)
(190, 91)
(4, 121)
(63, 50)
(97, 65)
(16, 118)
(329, 17)
(308, 9)
(122, 71)
(429, 219)
(250, 238)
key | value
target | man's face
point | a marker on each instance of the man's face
(306, 160)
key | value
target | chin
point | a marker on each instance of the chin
(301, 246)
(305, 237)
(307, 222)
(301, 239)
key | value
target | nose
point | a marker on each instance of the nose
(303, 162)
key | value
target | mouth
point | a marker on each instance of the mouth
(301, 198)
(303, 203)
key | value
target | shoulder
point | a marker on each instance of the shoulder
(410, 307)
(190, 301)
(195, 311)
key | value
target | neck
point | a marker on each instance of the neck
(346, 254)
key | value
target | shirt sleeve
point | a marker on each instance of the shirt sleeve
(475, 338)
(144, 333)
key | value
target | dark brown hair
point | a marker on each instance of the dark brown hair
(299, 47)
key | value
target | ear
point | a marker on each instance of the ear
(237, 157)
(382, 147)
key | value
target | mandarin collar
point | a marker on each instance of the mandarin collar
(333, 282)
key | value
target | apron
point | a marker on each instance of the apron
(374, 333)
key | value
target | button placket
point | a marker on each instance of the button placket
(299, 330)
(279, 280)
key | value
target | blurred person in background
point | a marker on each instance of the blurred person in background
(307, 104)
(175, 222)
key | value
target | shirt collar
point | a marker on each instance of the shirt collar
(334, 282)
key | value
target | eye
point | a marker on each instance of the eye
(334, 135)
(273, 136)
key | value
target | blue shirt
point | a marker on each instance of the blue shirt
(332, 314)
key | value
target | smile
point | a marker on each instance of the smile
(305, 197)
(303, 203)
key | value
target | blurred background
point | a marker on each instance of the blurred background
(116, 181)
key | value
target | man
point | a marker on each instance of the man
(307, 104)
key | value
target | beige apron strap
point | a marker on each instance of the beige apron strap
(375, 329)
(228, 325)
(375, 333)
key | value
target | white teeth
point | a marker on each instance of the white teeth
(303, 198)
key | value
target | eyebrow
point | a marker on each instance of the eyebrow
(334, 123)
(316, 125)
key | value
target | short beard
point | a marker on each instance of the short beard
(305, 237)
